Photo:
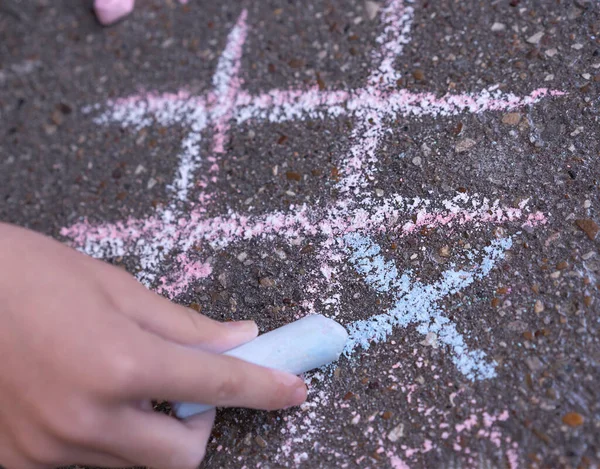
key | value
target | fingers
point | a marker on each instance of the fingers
(92, 458)
(158, 441)
(177, 373)
(9, 461)
(184, 325)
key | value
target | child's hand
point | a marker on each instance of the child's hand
(84, 348)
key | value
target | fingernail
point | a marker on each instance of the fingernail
(299, 395)
(289, 379)
(242, 325)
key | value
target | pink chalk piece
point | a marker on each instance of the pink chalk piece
(111, 11)
(397, 463)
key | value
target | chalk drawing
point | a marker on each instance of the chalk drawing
(415, 303)
(180, 226)
(342, 231)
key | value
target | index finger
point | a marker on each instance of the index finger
(175, 372)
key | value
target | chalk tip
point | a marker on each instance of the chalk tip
(336, 333)
(110, 11)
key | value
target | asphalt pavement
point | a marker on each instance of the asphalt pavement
(424, 172)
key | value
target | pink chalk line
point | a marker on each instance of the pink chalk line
(393, 215)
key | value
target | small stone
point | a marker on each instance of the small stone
(293, 176)
(57, 118)
(555, 274)
(577, 131)
(356, 419)
(416, 161)
(534, 363)
(168, 43)
(371, 9)
(396, 433)
(248, 439)
(260, 441)
(431, 340)
(426, 150)
(587, 204)
(387, 415)
(379, 192)
(590, 227)
(444, 251)
(511, 118)
(464, 145)
(588, 255)
(418, 74)
(139, 170)
(242, 256)
(586, 76)
(151, 183)
(538, 307)
(49, 129)
(577, 46)
(549, 77)
(536, 38)
(573, 419)
(498, 27)
(267, 282)
(222, 278)
(551, 52)
(65, 108)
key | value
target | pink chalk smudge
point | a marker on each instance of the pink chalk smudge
(467, 424)
(188, 271)
(396, 462)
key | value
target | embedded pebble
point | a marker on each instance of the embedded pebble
(534, 363)
(396, 433)
(589, 227)
(371, 9)
(464, 145)
(511, 118)
(536, 38)
(573, 419)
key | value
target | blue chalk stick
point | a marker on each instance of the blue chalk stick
(296, 348)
